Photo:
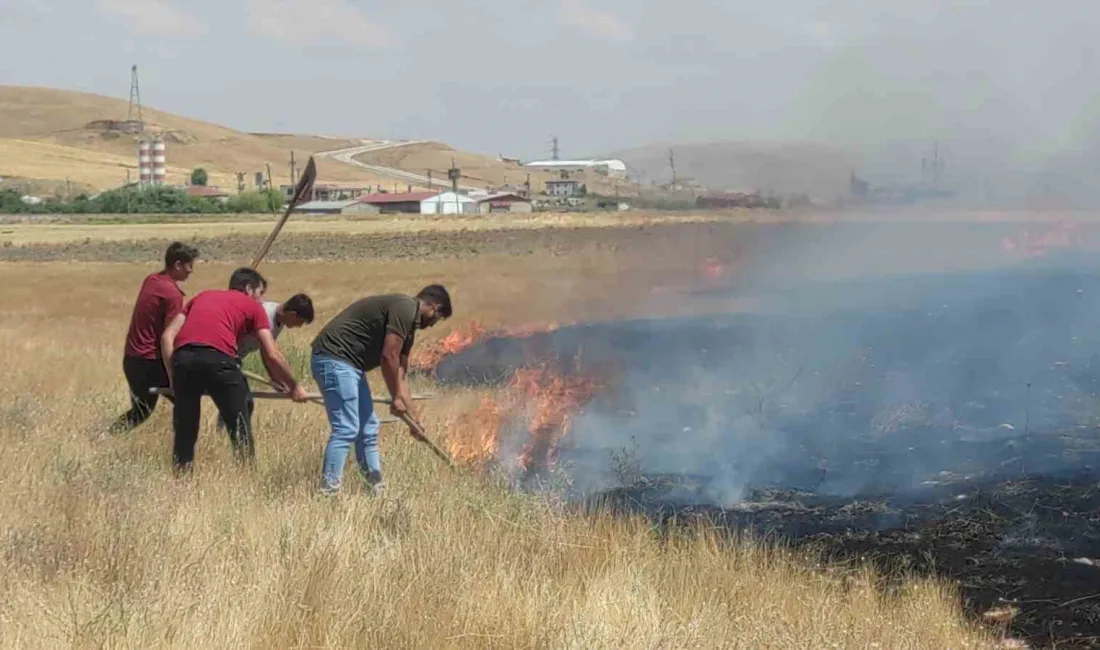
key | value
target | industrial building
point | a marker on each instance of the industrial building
(613, 168)
(396, 203)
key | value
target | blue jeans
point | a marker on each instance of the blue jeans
(352, 420)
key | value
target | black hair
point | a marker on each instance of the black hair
(245, 277)
(179, 252)
(438, 294)
(300, 304)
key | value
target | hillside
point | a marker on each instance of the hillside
(53, 135)
(817, 170)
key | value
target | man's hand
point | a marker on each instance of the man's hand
(416, 435)
(398, 407)
(299, 395)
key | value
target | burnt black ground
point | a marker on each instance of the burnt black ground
(782, 422)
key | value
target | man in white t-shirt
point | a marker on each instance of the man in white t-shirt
(295, 312)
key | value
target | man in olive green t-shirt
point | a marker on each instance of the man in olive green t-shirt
(374, 332)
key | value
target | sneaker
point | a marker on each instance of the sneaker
(329, 490)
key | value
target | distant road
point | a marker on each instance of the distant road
(347, 156)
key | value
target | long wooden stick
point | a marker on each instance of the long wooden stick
(267, 382)
(415, 426)
(304, 186)
(313, 397)
(316, 399)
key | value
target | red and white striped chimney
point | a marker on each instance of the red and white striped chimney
(145, 163)
(159, 158)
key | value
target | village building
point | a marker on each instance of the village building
(563, 187)
(503, 202)
(449, 203)
(335, 207)
(206, 192)
(327, 192)
(396, 203)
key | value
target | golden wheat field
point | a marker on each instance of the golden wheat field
(102, 547)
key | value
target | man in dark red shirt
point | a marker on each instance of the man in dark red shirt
(200, 347)
(158, 301)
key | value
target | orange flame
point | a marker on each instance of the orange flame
(1064, 234)
(459, 340)
(453, 343)
(538, 405)
(711, 268)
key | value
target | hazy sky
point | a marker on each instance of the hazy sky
(501, 77)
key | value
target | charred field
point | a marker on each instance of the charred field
(946, 423)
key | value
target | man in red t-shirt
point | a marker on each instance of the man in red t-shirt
(200, 346)
(158, 301)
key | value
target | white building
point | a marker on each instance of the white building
(616, 168)
(563, 187)
(449, 203)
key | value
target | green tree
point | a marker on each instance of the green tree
(255, 202)
(198, 176)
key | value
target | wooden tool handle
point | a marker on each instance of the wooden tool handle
(415, 426)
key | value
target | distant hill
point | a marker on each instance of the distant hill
(819, 171)
(51, 135)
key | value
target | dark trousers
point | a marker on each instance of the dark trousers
(198, 371)
(141, 375)
(251, 410)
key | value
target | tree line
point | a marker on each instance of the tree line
(153, 200)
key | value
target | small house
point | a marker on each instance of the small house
(503, 202)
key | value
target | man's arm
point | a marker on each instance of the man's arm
(406, 392)
(168, 343)
(392, 371)
(274, 360)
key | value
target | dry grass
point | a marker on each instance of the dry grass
(55, 233)
(102, 548)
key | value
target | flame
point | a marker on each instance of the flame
(530, 416)
(554, 400)
(459, 340)
(711, 268)
(1064, 234)
(453, 343)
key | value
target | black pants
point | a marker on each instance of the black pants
(141, 375)
(198, 371)
(251, 410)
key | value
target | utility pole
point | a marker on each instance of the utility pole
(554, 148)
(293, 180)
(430, 179)
(672, 165)
(454, 173)
(135, 100)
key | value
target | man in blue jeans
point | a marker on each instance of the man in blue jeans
(373, 332)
